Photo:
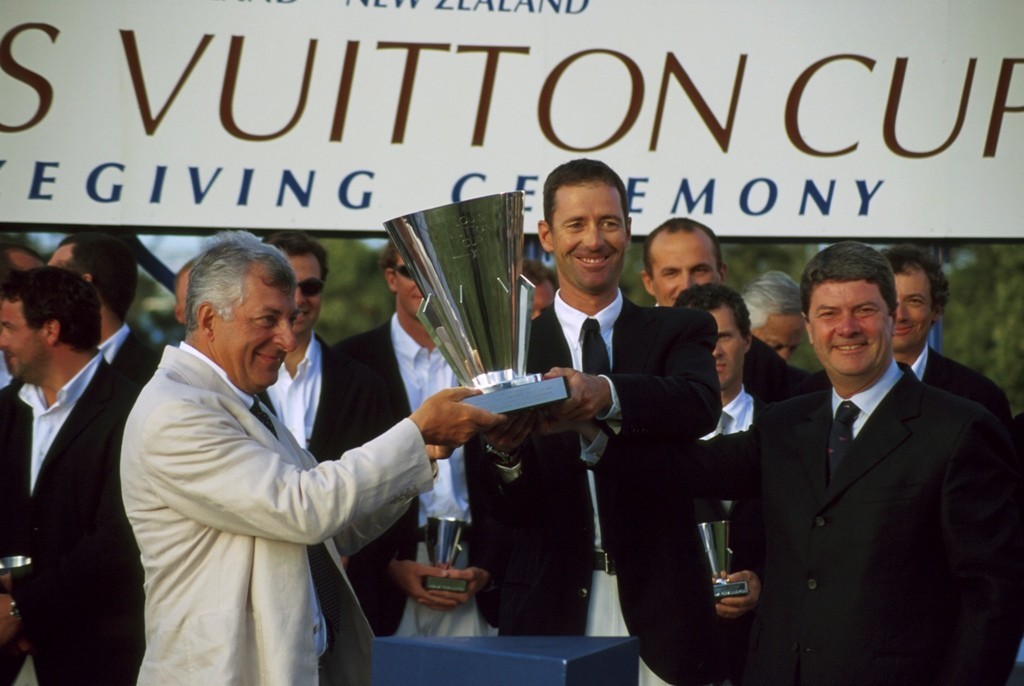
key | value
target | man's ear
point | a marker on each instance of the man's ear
(544, 234)
(51, 331)
(205, 321)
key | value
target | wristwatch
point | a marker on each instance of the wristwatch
(500, 457)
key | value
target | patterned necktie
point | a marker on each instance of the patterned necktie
(326, 578)
(595, 354)
(264, 418)
(841, 434)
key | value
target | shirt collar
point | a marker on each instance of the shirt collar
(741, 409)
(112, 345)
(242, 395)
(920, 363)
(869, 399)
(572, 319)
(69, 392)
(406, 347)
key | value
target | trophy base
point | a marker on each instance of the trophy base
(728, 590)
(523, 397)
(440, 583)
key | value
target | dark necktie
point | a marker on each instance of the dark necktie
(326, 578)
(841, 434)
(595, 354)
(264, 418)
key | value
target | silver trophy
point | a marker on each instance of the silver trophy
(716, 544)
(442, 539)
(467, 260)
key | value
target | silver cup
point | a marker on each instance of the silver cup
(9, 564)
(467, 260)
(716, 545)
(442, 539)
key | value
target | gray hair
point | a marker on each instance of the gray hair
(219, 271)
(771, 293)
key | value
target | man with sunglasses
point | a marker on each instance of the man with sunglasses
(388, 575)
(316, 385)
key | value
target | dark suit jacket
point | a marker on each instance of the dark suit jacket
(906, 568)
(382, 601)
(135, 360)
(82, 601)
(766, 375)
(746, 540)
(664, 374)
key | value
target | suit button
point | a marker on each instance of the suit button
(819, 521)
(582, 593)
(812, 584)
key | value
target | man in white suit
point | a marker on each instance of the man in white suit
(230, 513)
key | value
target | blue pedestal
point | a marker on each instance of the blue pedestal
(506, 661)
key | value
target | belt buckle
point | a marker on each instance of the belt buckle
(604, 562)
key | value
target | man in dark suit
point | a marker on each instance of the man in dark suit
(78, 608)
(386, 575)
(922, 292)
(108, 263)
(317, 386)
(681, 253)
(894, 551)
(602, 551)
(20, 257)
(746, 516)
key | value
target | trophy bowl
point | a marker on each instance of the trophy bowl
(467, 260)
(12, 562)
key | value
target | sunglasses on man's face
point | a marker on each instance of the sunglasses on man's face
(311, 287)
(403, 271)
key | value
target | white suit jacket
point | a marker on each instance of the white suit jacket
(223, 512)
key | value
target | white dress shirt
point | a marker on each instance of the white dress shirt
(425, 372)
(296, 399)
(110, 347)
(48, 420)
(868, 400)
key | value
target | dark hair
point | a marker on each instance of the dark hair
(6, 264)
(711, 296)
(579, 173)
(537, 272)
(675, 225)
(388, 256)
(111, 264)
(295, 243)
(848, 261)
(905, 258)
(51, 293)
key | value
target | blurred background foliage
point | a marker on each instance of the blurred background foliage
(982, 328)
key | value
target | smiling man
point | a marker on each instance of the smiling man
(239, 527)
(894, 549)
(605, 552)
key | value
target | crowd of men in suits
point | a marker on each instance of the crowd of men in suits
(250, 507)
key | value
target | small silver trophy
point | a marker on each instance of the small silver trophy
(442, 538)
(9, 564)
(716, 544)
(467, 260)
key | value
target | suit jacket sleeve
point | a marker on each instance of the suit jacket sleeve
(981, 524)
(676, 394)
(201, 457)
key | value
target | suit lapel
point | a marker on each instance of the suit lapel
(884, 431)
(812, 443)
(627, 357)
(548, 347)
(88, 407)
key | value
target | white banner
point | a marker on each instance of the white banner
(790, 118)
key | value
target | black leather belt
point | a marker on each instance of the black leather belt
(603, 562)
